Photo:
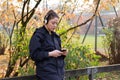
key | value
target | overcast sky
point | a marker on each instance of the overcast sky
(52, 3)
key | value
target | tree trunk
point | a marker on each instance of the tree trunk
(115, 43)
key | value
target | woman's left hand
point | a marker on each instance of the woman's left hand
(65, 52)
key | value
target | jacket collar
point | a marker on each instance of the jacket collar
(52, 33)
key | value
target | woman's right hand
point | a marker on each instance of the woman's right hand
(55, 53)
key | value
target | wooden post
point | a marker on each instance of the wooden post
(90, 73)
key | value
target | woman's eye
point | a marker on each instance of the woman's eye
(53, 23)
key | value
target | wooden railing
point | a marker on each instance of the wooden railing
(90, 71)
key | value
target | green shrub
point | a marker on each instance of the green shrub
(79, 56)
(21, 52)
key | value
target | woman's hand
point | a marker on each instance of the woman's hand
(65, 52)
(55, 53)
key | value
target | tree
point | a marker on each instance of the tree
(112, 40)
(13, 19)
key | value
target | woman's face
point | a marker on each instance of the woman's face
(52, 24)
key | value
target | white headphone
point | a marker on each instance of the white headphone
(45, 19)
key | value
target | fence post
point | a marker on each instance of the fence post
(91, 72)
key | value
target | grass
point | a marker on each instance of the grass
(90, 39)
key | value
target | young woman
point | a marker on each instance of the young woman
(45, 50)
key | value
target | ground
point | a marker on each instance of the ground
(3, 64)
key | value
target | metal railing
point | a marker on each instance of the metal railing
(90, 71)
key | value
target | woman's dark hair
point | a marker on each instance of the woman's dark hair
(50, 15)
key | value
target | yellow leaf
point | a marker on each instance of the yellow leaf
(10, 0)
(19, 0)
(4, 3)
(6, 17)
(107, 7)
(86, 0)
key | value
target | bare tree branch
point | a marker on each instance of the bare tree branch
(63, 13)
(33, 11)
(23, 8)
(83, 22)
(76, 26)
(25, 19)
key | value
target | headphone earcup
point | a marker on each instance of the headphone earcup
(45, 21)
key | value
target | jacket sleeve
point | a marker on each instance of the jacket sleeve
(35, 48)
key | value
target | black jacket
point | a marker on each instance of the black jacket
(41, 43)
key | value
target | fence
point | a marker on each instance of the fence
(90, 71)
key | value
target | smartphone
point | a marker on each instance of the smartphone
(63, 50)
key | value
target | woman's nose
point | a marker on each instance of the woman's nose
(55, 25)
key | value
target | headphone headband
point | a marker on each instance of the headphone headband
(51, 14)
